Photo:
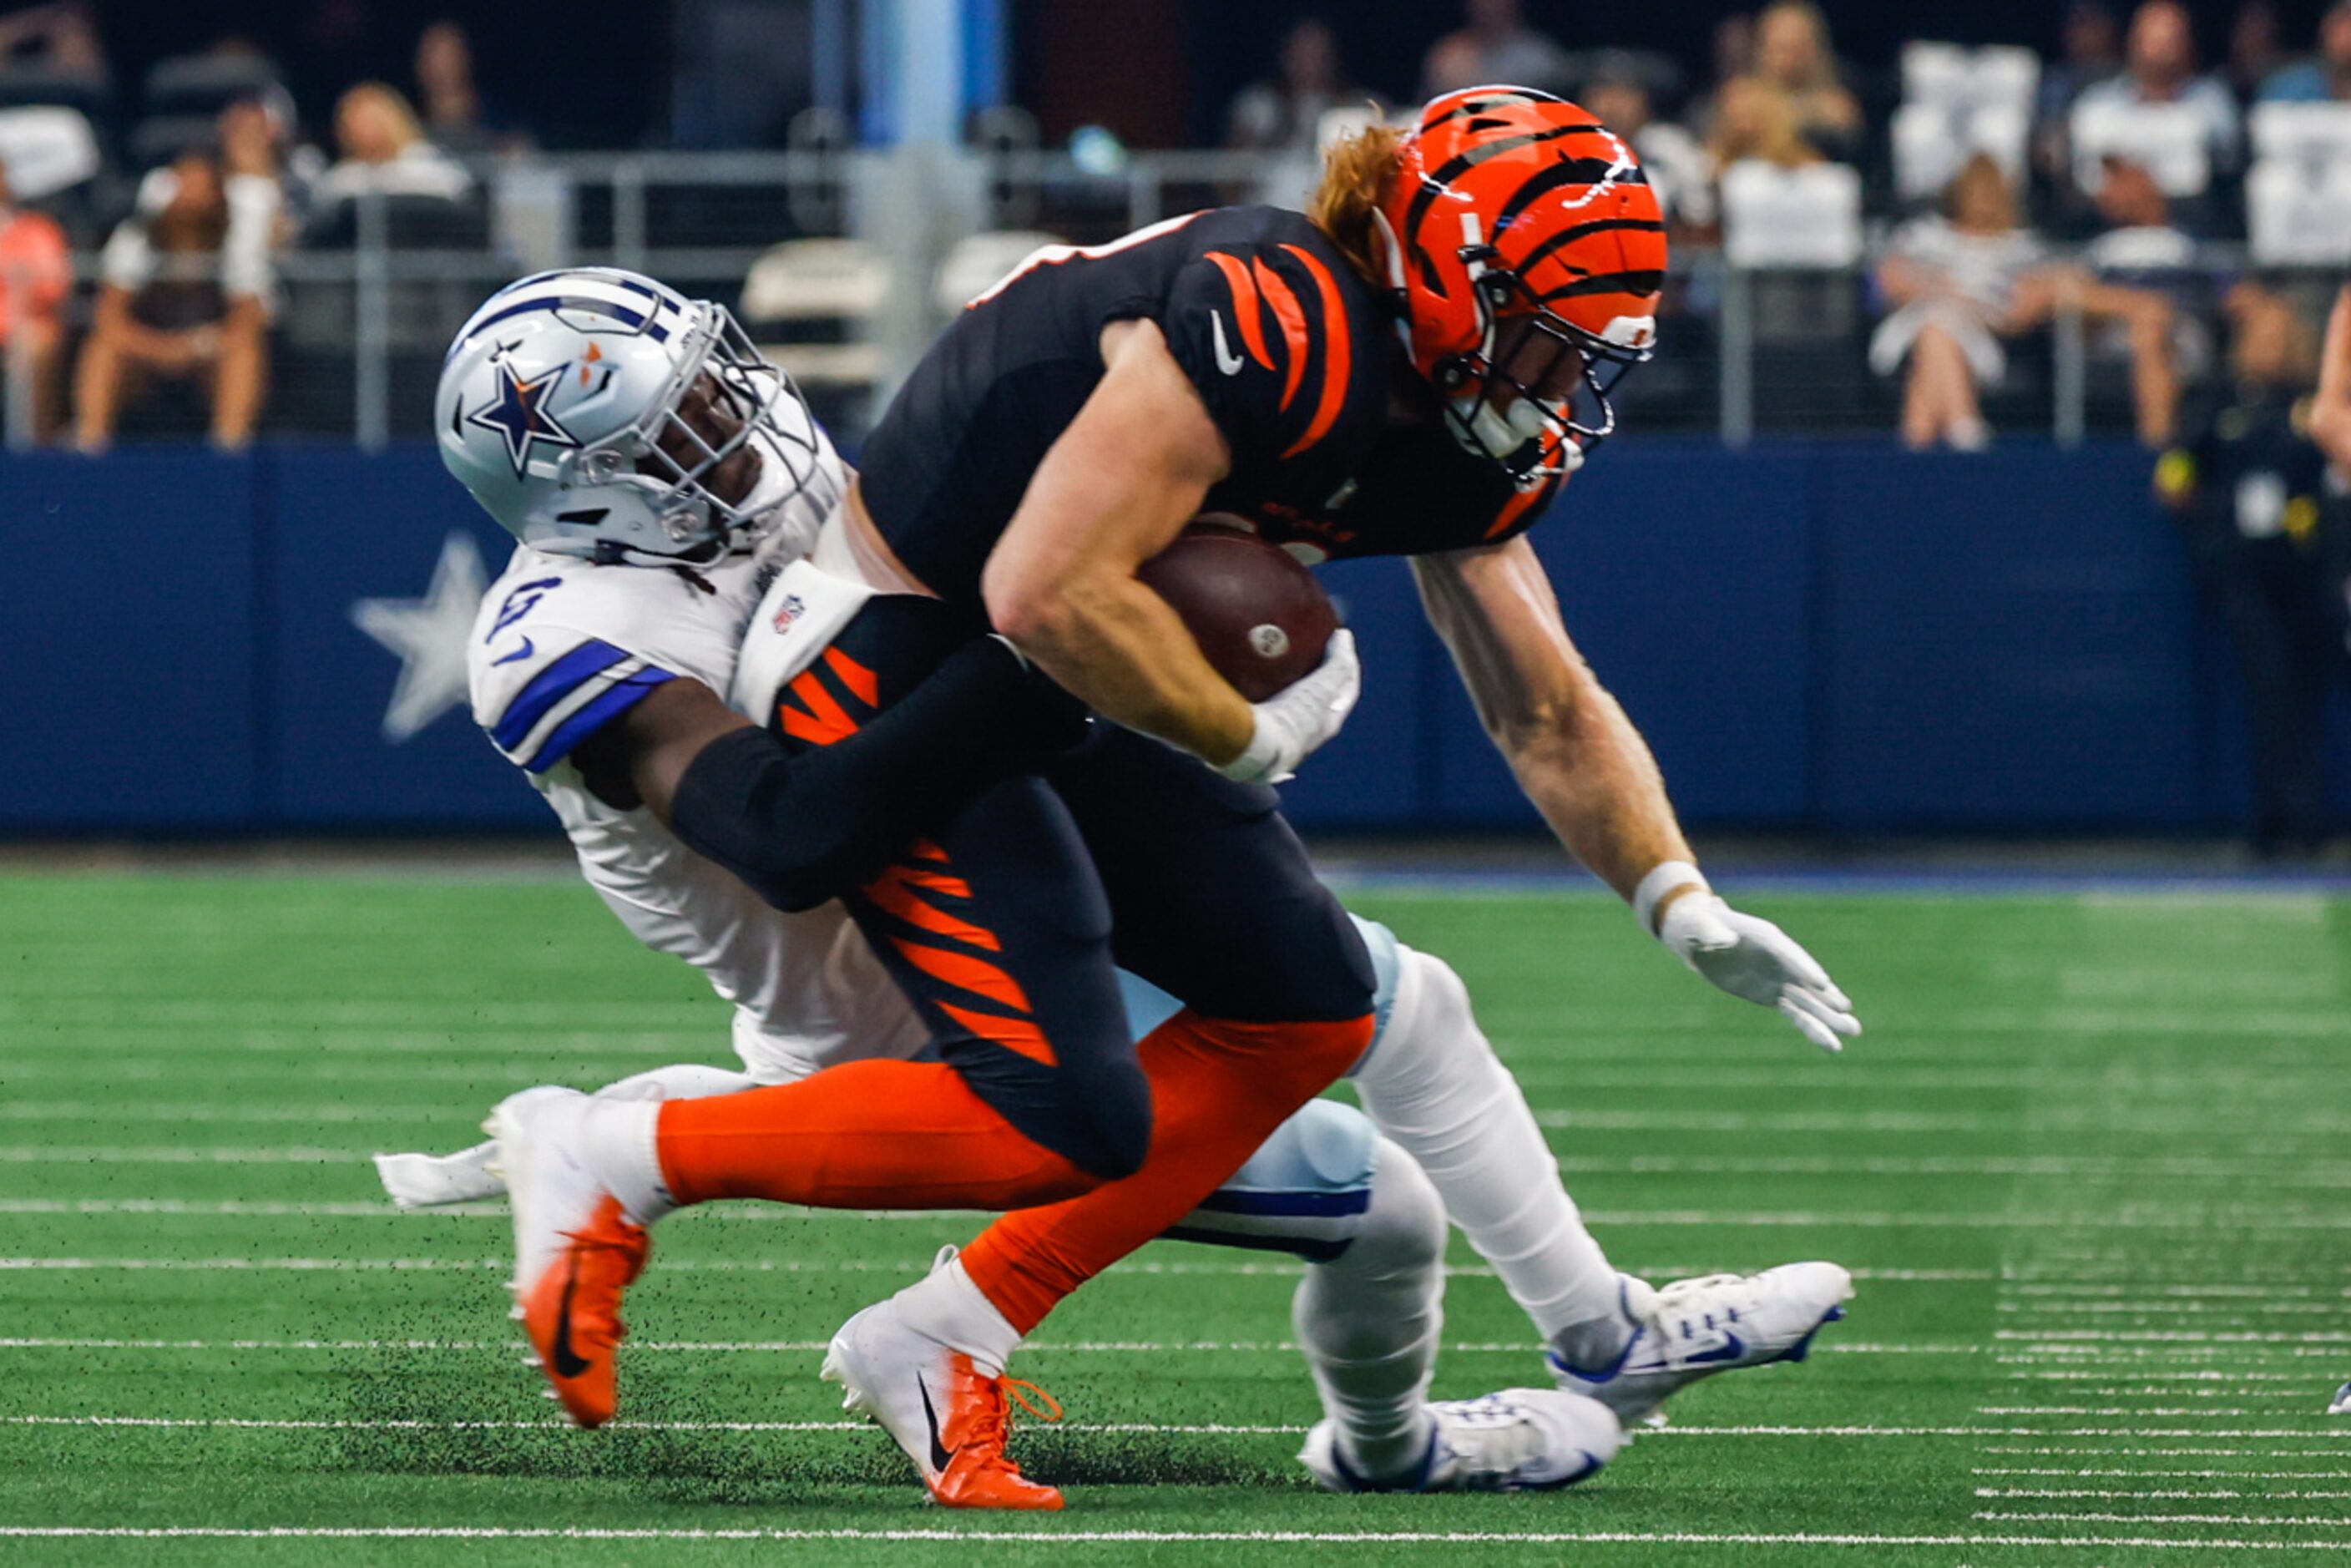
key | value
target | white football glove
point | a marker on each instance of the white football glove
(1757, 962)
(1296, 720)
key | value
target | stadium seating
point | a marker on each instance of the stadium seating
(1958, 102)
(2168, 140)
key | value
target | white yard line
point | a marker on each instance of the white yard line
(2188, 1411)
(1725, 1220)
(2218, 1495)
(2271, 1219)
(2102, 1451)
(2081, 1473)
(200, 1423)
(2290, 1521)
(1034, 1537)
(794, 1346)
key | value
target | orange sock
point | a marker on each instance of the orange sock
(866, 1135)
(1218, 1089)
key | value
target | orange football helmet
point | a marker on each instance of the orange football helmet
(1528, 250)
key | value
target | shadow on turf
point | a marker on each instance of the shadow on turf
(704, 1467)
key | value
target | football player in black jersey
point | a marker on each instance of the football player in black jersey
(1413, 369)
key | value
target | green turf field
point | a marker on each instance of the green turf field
(2090, 1167)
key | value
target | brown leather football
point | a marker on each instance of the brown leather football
(1254, 609)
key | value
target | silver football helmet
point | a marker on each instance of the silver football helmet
(559, 395)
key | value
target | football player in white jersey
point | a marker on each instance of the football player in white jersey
(566, 644)
(586, 627)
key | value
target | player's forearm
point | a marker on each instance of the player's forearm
(1593, 779)
(1118, 648)
(1575, 753)
(804, 828)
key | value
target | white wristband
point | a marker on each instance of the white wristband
(1261, 758)
(1665, 877)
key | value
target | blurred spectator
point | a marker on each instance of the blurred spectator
(1732, 48)
(35, 277)
(186, 294)
(2091, 52)
(1282, 115)
(2247, 487)
(445, 89)
(385, 153)
(61, 39)
(1963, 281)
(2324, 79)
(1752, 119)
(1793, 55)
(2159, 68)
(2149, 265)
(1675, 161)
(2256, 48)
(1497, 46)
(1953, 278)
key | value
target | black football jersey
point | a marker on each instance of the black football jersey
(1298, 359)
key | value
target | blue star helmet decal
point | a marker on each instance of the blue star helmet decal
(519, 414)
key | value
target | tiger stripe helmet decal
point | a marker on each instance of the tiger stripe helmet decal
(1511, 205)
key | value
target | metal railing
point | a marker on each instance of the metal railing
(359, 328)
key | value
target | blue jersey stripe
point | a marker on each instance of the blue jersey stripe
(1306, 1204)
(1314, 1249)
(550, 686)
(594, 716)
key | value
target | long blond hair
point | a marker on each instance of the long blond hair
(1356, 175)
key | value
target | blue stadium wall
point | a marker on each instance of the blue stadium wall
(1829, 636)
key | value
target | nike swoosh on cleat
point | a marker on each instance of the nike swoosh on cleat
(1732, 1348)
(941, 1454)
(522, 653)
(567, 1362)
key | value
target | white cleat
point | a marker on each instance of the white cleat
(950, 1418)
(1521, 1439)
(1694, 1328)
(435, 1181)
(576, 1251)
(2342, 1406)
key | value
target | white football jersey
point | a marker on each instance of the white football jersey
(562, 647)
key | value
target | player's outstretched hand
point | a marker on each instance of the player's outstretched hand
(1756, 960)
(1294, 722)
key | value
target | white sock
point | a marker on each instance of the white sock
(1369, 1321)
(620, 1146)
(1434, 1085)
(624, 1120)
(679, 1081)
(946, 1306)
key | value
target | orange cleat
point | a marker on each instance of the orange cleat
(575, 1252)
(951, 1418)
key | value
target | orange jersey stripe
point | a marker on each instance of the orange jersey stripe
(891, 893)
(860, 681)
(1516, 508)
(952, 886)
(977, 975)
(1248, 313)
(1338, 353)
(818, 719)
(1019, 1036)
(1286, 310)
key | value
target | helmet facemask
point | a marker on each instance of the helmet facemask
(753, 395)
(1502, 403)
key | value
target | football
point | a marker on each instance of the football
(1254, 609)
